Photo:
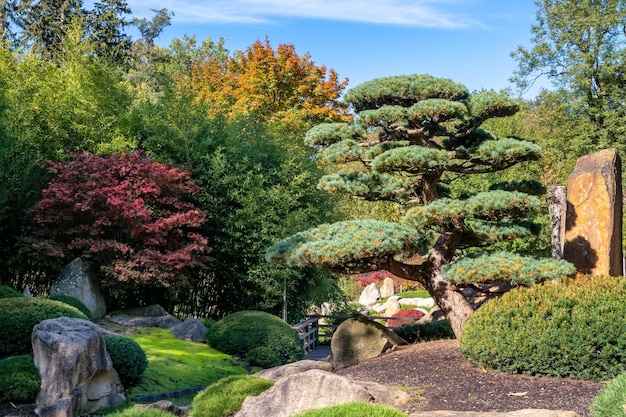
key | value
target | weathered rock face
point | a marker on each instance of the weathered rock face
(358, 339)
(593, 227)
(312, 390)
(191, 330)
(393, 306)
(76, 281)
(278, 372)
(387, 289)
(149, 316)
(77, 376)
(370, 295)
(165, 405)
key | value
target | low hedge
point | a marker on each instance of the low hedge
(570, 328)
(74, 302)
(20, 315)
(239, 333)
(19, 379)
(8, 292)
(611, 399)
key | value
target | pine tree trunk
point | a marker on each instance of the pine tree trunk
(452, 302)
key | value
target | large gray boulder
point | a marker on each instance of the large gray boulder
(278, 372)
(77, 375)
(191, 330)
(358, 339)
(312, 390)
(370, 295)
(149, 316)
(77, 281)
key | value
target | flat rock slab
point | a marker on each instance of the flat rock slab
(519, 413)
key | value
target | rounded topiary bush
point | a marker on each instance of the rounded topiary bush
(240, 332)
(570, 328)
(74, 302)
(129, 359)
(611, 399)
(8, 292)
(226, 396)
(22, 314)
(263, 356)
(19, 379)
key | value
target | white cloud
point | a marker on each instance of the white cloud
(419, 13)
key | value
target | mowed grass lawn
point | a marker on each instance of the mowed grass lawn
(177, 364)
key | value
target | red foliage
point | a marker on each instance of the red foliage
(126, 215)
(375, 276)
(416, 314)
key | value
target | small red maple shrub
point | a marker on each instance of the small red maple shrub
(127, 216)
(416, 314)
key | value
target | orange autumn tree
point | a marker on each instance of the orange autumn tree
(270, 85)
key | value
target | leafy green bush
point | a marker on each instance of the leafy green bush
(354, 409)
(570, 328)
(263, 356)
(19, 379)
(240, 332)
(74, 302)
(8, 292)
(413, 333)
(129, 360)
(226, 396)
(611, 399)
(20, 315)
(208, 322)
(141, 412)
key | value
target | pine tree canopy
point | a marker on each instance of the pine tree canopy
(411, 137)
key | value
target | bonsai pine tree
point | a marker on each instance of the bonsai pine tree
(411, 136)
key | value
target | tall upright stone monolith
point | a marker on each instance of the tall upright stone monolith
(593, 227)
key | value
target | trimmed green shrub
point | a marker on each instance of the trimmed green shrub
(129, 359)
(413, 333)
(20, 315)
(262, 356)
(208, 322)
(141, 412)
(74, 302)
(354, 409)
(240, 332)
(226, 396)
(570, 328)
(19, 379)
(611, 399)
(8, 292)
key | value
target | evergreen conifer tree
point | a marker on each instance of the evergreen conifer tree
(413, 135)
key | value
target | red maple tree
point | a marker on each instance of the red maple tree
(126, 215)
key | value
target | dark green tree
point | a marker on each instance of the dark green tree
(412, 136)
(580, 47)
(107, 25)
(43, 24)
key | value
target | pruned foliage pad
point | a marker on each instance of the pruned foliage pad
(570, 328)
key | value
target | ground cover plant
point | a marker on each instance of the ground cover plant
(177, 364)
(569, 328)
(610, 401)
(354, 409)
(226, 396)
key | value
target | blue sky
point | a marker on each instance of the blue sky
(469, 41)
